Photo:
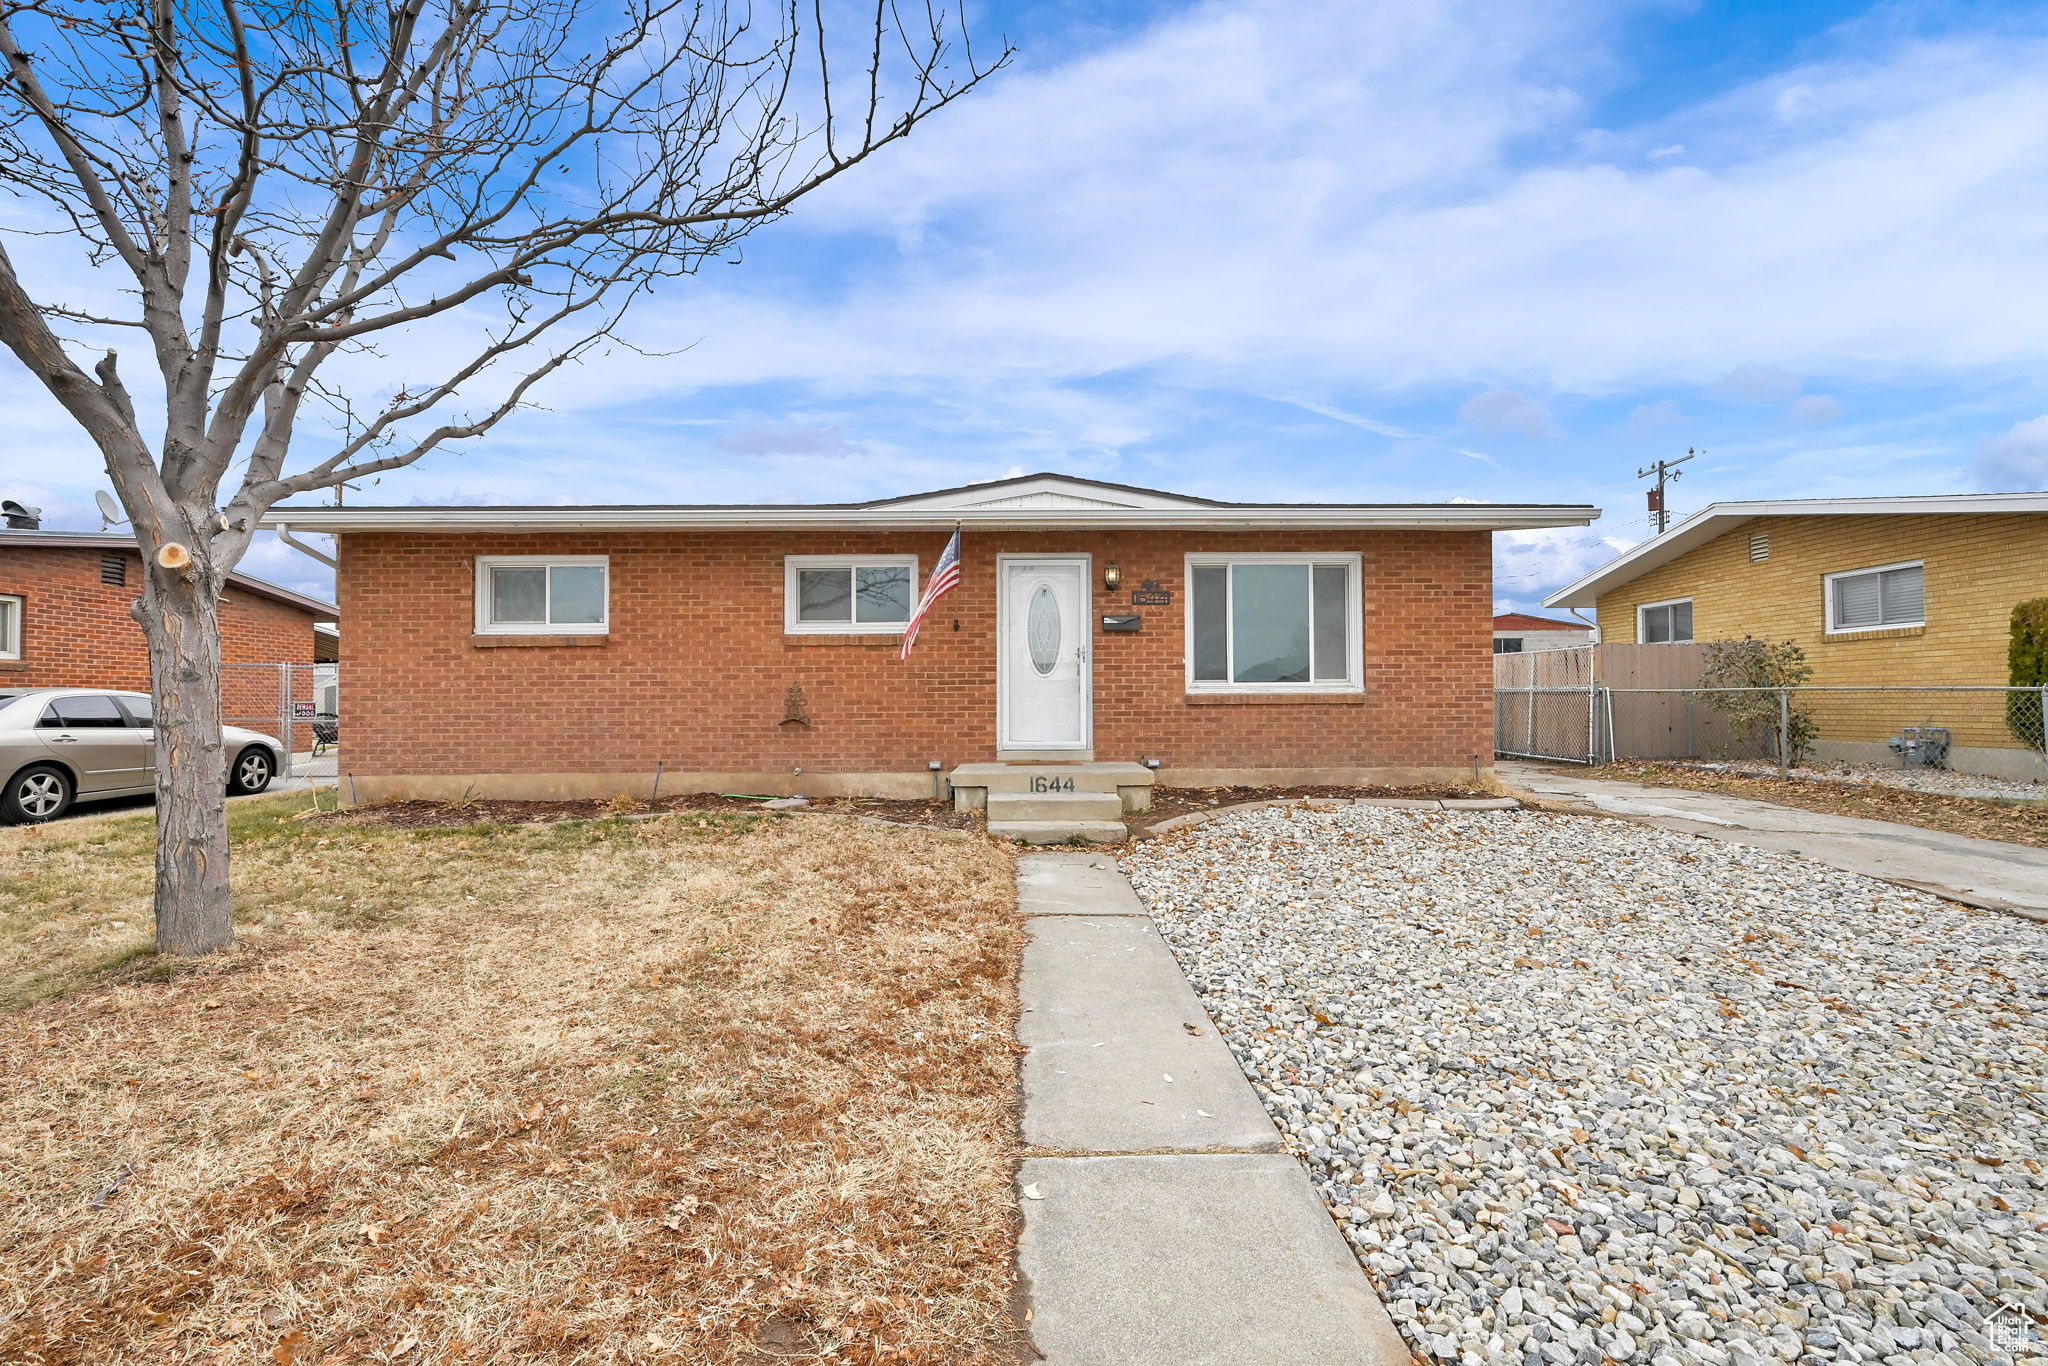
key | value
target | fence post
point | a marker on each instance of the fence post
(284, 714)
(2044, 721)
(1784, 732)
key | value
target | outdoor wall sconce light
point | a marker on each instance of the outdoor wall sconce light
(1111, 577)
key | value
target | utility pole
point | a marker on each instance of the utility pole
(1666, 471)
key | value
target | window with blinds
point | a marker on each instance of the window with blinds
(1872, 599)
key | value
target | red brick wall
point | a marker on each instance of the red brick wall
(77, 633)
(696, 667)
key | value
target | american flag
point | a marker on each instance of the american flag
(945, 574)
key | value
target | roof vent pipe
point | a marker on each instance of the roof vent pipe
(21, 518)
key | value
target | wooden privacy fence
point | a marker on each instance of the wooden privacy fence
(1602, 702)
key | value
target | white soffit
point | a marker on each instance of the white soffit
(1717, 519)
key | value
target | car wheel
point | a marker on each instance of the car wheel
(251, 773)
(40, 793)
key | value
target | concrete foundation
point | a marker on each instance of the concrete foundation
(548, 787)
(1132, 783)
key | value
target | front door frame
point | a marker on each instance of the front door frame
(1086, 748)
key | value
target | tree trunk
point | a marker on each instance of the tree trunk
(193, 913)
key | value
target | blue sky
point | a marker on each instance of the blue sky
(1389, 252)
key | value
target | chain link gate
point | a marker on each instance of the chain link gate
(296, 704)
(1546, 705)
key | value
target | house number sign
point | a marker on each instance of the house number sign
(1150, 594)
(1041, 783)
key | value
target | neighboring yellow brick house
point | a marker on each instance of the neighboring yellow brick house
(1877, 591)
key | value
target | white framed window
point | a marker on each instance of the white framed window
(1876, 599)
(10, 626)
(543, 595)
(1274, 623)
(1664, 623)
(830, 595)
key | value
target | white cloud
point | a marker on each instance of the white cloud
(1529, 564)
(787, 438)
(1753, 383)
(1258, 193)
(1360, 204)
(1503, 412)
(1815, 410)
(1647, 421)
(2017, 461)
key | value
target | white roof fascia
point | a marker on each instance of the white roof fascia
(1456, 516)
(1717, 519)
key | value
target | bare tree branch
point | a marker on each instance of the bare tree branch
(277, 188)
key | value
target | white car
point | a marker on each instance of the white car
(61, 745)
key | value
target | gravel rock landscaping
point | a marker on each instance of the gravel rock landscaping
(1583, 1090)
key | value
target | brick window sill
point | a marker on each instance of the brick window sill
(1881, 633)
(1275, 699)
(849, 641)
(569, 642)
(13, 666)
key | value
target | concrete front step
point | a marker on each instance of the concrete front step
(1055, 806)
(974, 783)
(1059, 832)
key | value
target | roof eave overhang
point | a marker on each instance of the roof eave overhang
(87, 540)
(1457, 516)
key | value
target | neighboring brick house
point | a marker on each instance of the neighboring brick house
(65, 623)
(569, 651)
(1877, 591)
(1517, 633)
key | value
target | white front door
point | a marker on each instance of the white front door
(1042, 671)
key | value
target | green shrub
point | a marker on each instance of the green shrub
(2027, 667)
(1753, 663)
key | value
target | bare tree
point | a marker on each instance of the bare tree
(275, 187)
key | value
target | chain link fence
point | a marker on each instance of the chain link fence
(1996, 732)
(299, 704)
(1593, 704)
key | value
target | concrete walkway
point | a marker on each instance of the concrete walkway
(1976, 872)
(1163, 1223)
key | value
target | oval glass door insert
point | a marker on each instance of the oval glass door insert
(1042, 629)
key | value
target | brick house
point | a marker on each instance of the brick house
(1517, 633)
(64, 620)
(1879, 592)
(557, 651)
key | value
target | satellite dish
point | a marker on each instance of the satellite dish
(110, 511)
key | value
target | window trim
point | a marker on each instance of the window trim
(486, 627)
(11, 634)
(1642, 607)
(1827, 600)
(1354, 642)
(793, 626)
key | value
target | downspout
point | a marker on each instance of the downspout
(284, 533)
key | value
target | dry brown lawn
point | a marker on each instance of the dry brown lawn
(2013, 822)
(706, 1088)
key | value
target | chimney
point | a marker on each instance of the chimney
(19, 518)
